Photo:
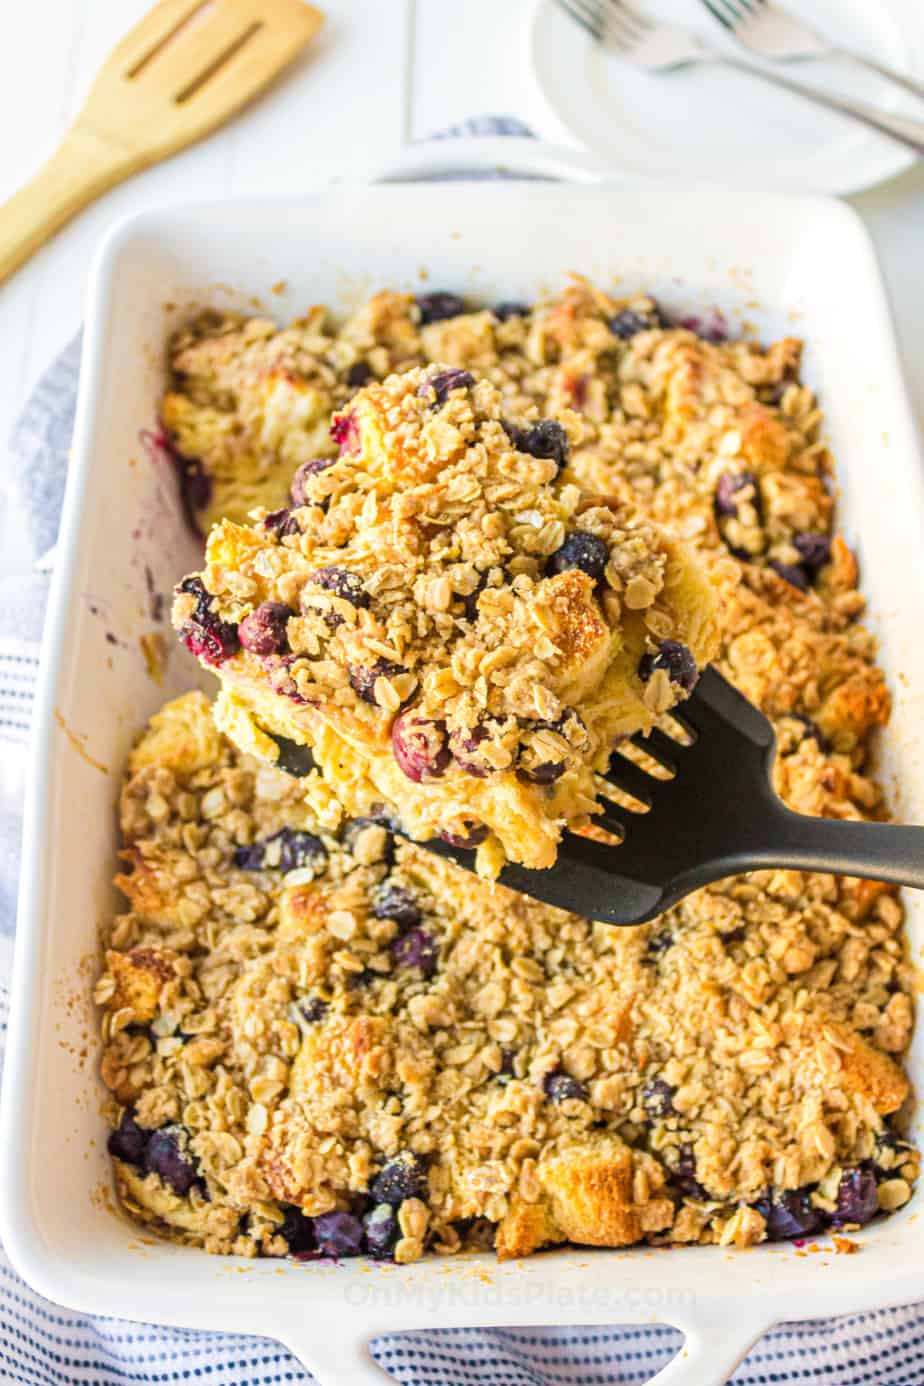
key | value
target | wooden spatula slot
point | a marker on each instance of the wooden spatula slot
(194, 13)
(218, 62)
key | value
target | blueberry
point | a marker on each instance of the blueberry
(281, 523)
(676, 660)
(357, 826)
(363, 677)
(381, 1228)
(510, 309)
(438, 306)
(195, 483)
(713, 329)
(857, 1200)
(343, 584)
(263, 632)
(337, 1234)
(359, 374)
(559, 1087)
(394, 901)
(204, 634)
(295, 849)
(890, 1152)
(293, 759)
(419, 747)
(344, 431)
(815, 550)
(812, 730)
(464, 747)
(658, 1098)
(683, 1175)
(630, 322)
(299, 849)
(250, 858)
(364, 978)
(296, 1229)
(546, 772)
(403, 1176)
(129, 1141)
(728, 487)
(508, 1059)
(311, 1009)
(416, 948)
(789, 1214)
(546, 439)
(470, 602)
(168, 1156)
(472, 836)
(580, 550)
(303, 473)
(794, 574)
(659, 943)
(444, 383)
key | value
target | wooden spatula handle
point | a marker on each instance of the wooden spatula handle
(82, 167)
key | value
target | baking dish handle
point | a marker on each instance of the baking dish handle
(483, 156)
(336, 1360)
(711, 1350)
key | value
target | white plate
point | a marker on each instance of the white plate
(773, 260)
(710, 122)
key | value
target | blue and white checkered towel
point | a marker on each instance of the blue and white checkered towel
(42, 1345)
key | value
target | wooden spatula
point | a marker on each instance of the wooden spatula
(185, 69)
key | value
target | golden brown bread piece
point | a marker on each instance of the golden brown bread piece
(585, 1195)
(139, 978)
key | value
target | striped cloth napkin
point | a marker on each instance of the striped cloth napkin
(42, 1345)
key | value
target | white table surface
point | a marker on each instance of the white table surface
(384, 72)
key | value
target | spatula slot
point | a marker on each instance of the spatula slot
(658, 747)
(628, 785)
(197, 13)
(644, 759)
(603, 828)
(679, 728)
(219, 61)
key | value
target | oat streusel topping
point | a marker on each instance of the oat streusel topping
(449, 630)
(325, 1042)
(306, 1026)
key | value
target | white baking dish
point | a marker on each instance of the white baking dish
(783, 264)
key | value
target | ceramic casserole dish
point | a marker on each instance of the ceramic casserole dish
(783, 264)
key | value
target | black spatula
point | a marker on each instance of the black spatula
(717, 816)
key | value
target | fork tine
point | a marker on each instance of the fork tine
(713, 7)
(641, 21)
(717, 14)
(595, 29)
(592, 11)
(622, 14)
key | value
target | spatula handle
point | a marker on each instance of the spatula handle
(876, 851)
(81, 168)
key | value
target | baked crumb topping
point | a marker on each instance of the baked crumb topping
(449, 630)
(319, 1040)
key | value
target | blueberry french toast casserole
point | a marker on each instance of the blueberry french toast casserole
(321, 1040)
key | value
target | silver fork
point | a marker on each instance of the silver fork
(773, 32)
(663, 47)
